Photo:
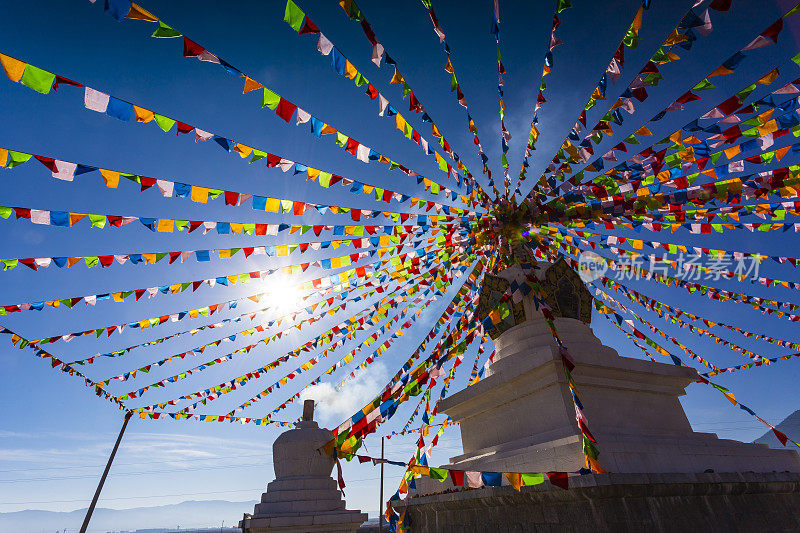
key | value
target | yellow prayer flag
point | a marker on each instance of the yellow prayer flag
(397, 78)
(166, 225)
(142, 114)
(273, 205)
(349, 69)
(199, 194)
(243, 149)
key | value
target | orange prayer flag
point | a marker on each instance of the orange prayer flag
(732, 151)
(139, 13)
(515, 479)
(637, 20)
(251, 85)
(13, 67)
(720, 71)
(780, 152)
(675, 38)
(769, 77)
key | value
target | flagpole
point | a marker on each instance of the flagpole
(90, 510)
(380, 514)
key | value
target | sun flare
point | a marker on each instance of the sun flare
(284, 296)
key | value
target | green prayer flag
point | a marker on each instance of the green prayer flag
(166, 31)
(406, 89)
(704, 85)
(270, 99)
(796, 58)
(294, 16)
(562, 5)
(5, 212)
(360, 80)
(257, 154)
(532, 479)
(92, 261)
(165, 123)
(454, 81)
(744, 93)
(98, 221)
(793, 11)
(631, 39)
(439, 473)
(8, 264)
(37, 79)
(325, 179)
(17, 158)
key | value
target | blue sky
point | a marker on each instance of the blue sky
(55, 435)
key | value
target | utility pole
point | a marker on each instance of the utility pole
(380, 515)
(90, 510)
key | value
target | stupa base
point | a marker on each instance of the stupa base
(618, 503)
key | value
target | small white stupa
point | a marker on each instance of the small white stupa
(303, 497)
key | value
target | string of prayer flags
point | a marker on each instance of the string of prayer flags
(533, 135)
(282, 107)
(353, 12)
(505, 135)
(682, 35)
(67, 171)
(342, 66)
(96, 101)
(455, 85)
(231, 279)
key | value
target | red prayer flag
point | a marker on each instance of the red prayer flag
(351, 146)
(285, 109)
(191, 48)
(308, 26)
(781, 437)
(559, 479)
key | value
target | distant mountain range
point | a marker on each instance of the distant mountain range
(789, 427)
(187, 515)
(204, 514)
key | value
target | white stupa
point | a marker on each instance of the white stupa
(303, 497)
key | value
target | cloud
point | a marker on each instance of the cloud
(353, 395)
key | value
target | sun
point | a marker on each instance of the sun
(283, 295)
